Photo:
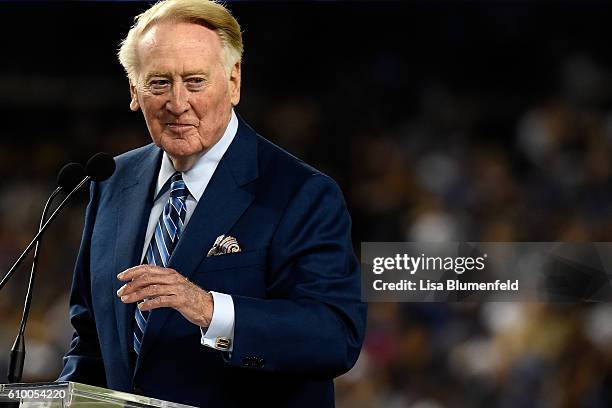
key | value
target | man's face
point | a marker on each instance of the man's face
(183, 89)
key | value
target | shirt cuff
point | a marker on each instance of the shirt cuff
(220, 334)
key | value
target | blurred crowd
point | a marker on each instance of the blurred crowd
(425, 148)
(444, 175)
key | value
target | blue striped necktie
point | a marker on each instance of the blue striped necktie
(167, 232)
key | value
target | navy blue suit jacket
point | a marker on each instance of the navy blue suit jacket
(299, 321)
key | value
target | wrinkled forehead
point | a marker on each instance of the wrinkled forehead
(178, 40)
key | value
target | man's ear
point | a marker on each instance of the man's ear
(235, 84)
(134, 105)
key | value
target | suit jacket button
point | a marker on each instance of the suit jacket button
(253, 362)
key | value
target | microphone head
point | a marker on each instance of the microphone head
(100, 167)
(70, 175)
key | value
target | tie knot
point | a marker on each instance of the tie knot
(178, 188)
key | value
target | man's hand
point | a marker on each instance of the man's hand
(165, 287)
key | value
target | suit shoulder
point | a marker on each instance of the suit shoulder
(286, 179)
(285, 167)
(132, 156)
(126, 163)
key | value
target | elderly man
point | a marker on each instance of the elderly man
(215, 269)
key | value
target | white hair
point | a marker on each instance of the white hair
(207, 13)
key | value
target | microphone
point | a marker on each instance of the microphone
(68, 177)
(99, 168)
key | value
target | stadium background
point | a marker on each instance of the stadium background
(441, 120)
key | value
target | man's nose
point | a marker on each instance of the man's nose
(179, 100)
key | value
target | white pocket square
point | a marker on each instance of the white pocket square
(224, 245)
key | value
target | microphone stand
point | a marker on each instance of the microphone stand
(17, 356)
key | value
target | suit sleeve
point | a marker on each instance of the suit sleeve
(83, 361)
(312, 321)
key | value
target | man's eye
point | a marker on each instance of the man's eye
(159, 83)
(195, 82)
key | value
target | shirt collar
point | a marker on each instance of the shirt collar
(197, 178)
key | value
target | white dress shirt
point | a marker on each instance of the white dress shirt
(196, 179)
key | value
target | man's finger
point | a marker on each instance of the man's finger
(161, 301)
(149, 292)
(143, 281)
(140, 270)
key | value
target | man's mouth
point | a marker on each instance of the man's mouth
(179, 126)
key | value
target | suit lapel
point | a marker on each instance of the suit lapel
(221, 205)
(133, 206)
